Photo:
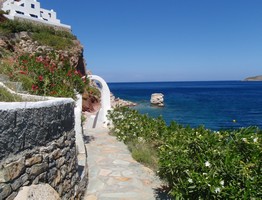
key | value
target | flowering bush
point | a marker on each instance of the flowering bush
(198, 163)
(47, 75)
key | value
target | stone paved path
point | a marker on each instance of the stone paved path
(113, 174)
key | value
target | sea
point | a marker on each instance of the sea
(215, 104)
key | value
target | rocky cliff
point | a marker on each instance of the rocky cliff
(14, 44)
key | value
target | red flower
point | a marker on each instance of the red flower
(53, 92)
(40, 78)
(69, 73)
(25, 61)
(39, 59)
(34, 87)
(22, 72)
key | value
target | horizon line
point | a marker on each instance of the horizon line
(174, 81)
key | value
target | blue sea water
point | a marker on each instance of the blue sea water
(214, 104)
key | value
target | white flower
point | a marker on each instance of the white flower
(222, 182)
(190, 180)
(217, 190)
(255, 140)
(207, 164)
(244, 139)
(204, 174)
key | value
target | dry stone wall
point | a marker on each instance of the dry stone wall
(37, 145)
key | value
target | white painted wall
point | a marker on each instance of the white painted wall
(78, 125)
(31, 9)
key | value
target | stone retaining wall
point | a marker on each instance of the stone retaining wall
(37, 145)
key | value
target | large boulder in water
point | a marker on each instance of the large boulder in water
(157, 99)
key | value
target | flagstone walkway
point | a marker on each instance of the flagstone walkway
(113, 173)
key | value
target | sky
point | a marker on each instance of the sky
(166, 40)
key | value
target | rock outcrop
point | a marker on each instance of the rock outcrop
(157, 99)
(117, 102)
(91, 103)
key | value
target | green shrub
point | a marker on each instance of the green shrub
(197, 163)
(57, 42)
(15, 26)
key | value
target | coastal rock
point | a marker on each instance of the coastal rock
(117, 102)
(157, 99)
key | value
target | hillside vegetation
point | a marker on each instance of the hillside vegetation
(45, 35)
(47, 61)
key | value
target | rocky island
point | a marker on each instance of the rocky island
(254, 78)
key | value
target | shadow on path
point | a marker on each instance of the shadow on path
(162, 193)
(88, 139)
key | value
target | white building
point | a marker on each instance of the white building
(31, 10)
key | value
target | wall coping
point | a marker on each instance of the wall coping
(38, 104)
(36, 101)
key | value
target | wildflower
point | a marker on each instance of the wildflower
(22, 72)
(53, 92)
(217, 190)
(234, 121)
(141, 140)
(40, 78)
(34, 87)
(255, 140)
(207, 164)
(117, 130)
(39, 59)
(190, 180)
(222, 182)
(76, 72)
(69, 73)
(244, 140)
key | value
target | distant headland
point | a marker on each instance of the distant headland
(254, 78)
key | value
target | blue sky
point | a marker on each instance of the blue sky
(166, 40)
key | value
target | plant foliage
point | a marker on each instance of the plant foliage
(197, 163)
